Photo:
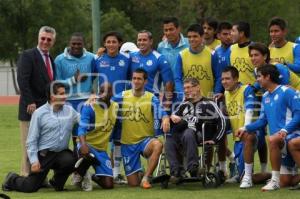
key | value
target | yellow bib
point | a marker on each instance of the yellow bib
(294, 80)
(105, 120)
(199, 66)
(236, 108)
(137, 117)
(283, 54)
(214, 44)
(239, 58)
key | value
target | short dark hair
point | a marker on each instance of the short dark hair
(192, 80)
(52, 88)
(271, 70)
(196, 28)
(262, 48)
(279, 22)
(233, 71)
(172, 20)
(143, 71)
(212, 22)
(114, 34)
(244, 27)
(224, 25)
(78, 34)
(147, 32)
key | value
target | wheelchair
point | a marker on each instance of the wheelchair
(210, 175)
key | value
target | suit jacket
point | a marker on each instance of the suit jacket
(33, 79)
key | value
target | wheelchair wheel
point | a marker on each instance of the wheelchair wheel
(210, 180)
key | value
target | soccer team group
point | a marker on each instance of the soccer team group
(215, 75)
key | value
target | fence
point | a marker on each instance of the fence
(6, 81)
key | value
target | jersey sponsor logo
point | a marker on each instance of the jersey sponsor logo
(197, 71)
(267, 100)
(121, 63)
(104, 63)
(135, 114)
(149, 63)
(135, 60)
(234, 108)
(242, 65)
(278, 60)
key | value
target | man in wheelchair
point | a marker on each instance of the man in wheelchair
(187, 132)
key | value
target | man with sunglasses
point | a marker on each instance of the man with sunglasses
(36, 70)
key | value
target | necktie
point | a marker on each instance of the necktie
(48, 66)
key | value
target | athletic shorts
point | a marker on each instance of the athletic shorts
(131, 155)
(286, 158)
(104, 168)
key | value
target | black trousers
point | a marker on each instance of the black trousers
(62, 164)
(179, 145)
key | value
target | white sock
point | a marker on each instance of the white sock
(223, 166)
(117, 160)
(248, 170)
(275, 176)
(263, 167)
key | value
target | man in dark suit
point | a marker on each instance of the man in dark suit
(35, 70)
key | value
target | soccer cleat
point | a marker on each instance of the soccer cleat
(145, 184)
(86, 183)
(76, 179)
(119, 179)
(246, 183)
(7, 181)
(271, 186)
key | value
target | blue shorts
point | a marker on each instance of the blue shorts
(131, 155)
(286, 158)
(104, 168)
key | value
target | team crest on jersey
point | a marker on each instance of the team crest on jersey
(242, 65)
(108, 164)
(121, 63)
(135, 114)
(197, 71)
(149, 63)
(104, 63)
(234, 108)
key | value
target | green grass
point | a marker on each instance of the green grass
(10, 157)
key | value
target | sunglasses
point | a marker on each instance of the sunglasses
(45, 38)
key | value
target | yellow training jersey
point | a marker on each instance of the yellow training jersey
(283, 54)
(239, 58)
(137, 117)
(235, 105)
(199, 65)
(105, 120)
(214, 44)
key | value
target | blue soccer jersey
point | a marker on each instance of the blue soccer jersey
(156, 66)
(280, 110)
(114, 70)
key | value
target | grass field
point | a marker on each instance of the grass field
(10, 161)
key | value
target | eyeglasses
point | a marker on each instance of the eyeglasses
(46, 38)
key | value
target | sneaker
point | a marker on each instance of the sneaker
(295, 187)
(119, 179)
(232, 169)
(76, 180)
(234, 179)
(86, 183)
(272, 185)
(246, 183)
(7, 181)
(145, 184)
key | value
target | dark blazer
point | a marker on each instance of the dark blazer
(33, 79)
